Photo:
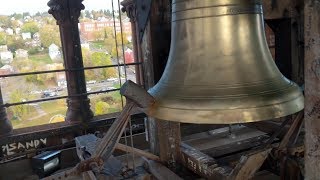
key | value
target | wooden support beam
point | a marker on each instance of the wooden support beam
(277, 9)
(249, 165)
(269, 127)
(202, 164)
(136, 151)
(221, 142)
(312, 88)
(159, 171)
(169, 140)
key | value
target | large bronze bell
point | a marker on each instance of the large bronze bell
(220, 70)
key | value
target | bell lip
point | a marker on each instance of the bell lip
(231, 116)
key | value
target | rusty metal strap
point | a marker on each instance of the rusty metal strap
(143, 11)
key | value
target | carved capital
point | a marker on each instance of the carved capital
(65, 10)
(129, 6)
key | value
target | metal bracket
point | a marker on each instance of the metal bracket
(143, 10)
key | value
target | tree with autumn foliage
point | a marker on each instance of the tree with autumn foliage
(91, 59)
(49, 34)
(31, 27)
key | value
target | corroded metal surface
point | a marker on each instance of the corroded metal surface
(220, 70)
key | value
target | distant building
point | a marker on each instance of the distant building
(87, 29)
(36, 36)
(54, 53)
(6, 57)
(85, 45)
(22, 54)
(7, 68)
(26, 35)
(9, 31)
(18, 30)
(61, 79)
(129, 56)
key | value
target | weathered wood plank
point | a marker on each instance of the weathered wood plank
(249, 165)
(169, 140)
(138, 152)
(312, 88)
(202, 164)
(277, 9)
(159, 171)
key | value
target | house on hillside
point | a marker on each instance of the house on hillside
(6, 69)
(61, 79)
(18, 30)
(129, 56)
(36, 36)
(85, 45)
(26, 35)
(9, 31)
(3, 48)
(6, 57)
(21, 54)
(54, 53)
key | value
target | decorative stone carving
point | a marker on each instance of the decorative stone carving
(60, 11)
(129, 7)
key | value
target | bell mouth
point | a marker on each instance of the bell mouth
(228, 116)
(225, 109)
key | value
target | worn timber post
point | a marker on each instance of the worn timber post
(312, 88)
(164, 136)
(153, 50)
(67, 13)
(5, 123)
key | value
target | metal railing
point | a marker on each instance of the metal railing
(118, 65)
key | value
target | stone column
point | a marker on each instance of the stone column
(129, 6)
(5, 124)
(67, 13)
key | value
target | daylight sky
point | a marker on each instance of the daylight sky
(19, 6)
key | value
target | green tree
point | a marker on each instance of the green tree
(110, 42)
(24, 14)
(19, 110)
(3, 38)
(5, 21)
(102, 59)
(97, 59)
(101, 108)
(15, 42)
(50, 34)
(87, 14)
(17, 16)
(31, 27)
(99, 35)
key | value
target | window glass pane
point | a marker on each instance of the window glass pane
(29, 42)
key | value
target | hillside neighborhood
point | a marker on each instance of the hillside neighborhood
(31, 43)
